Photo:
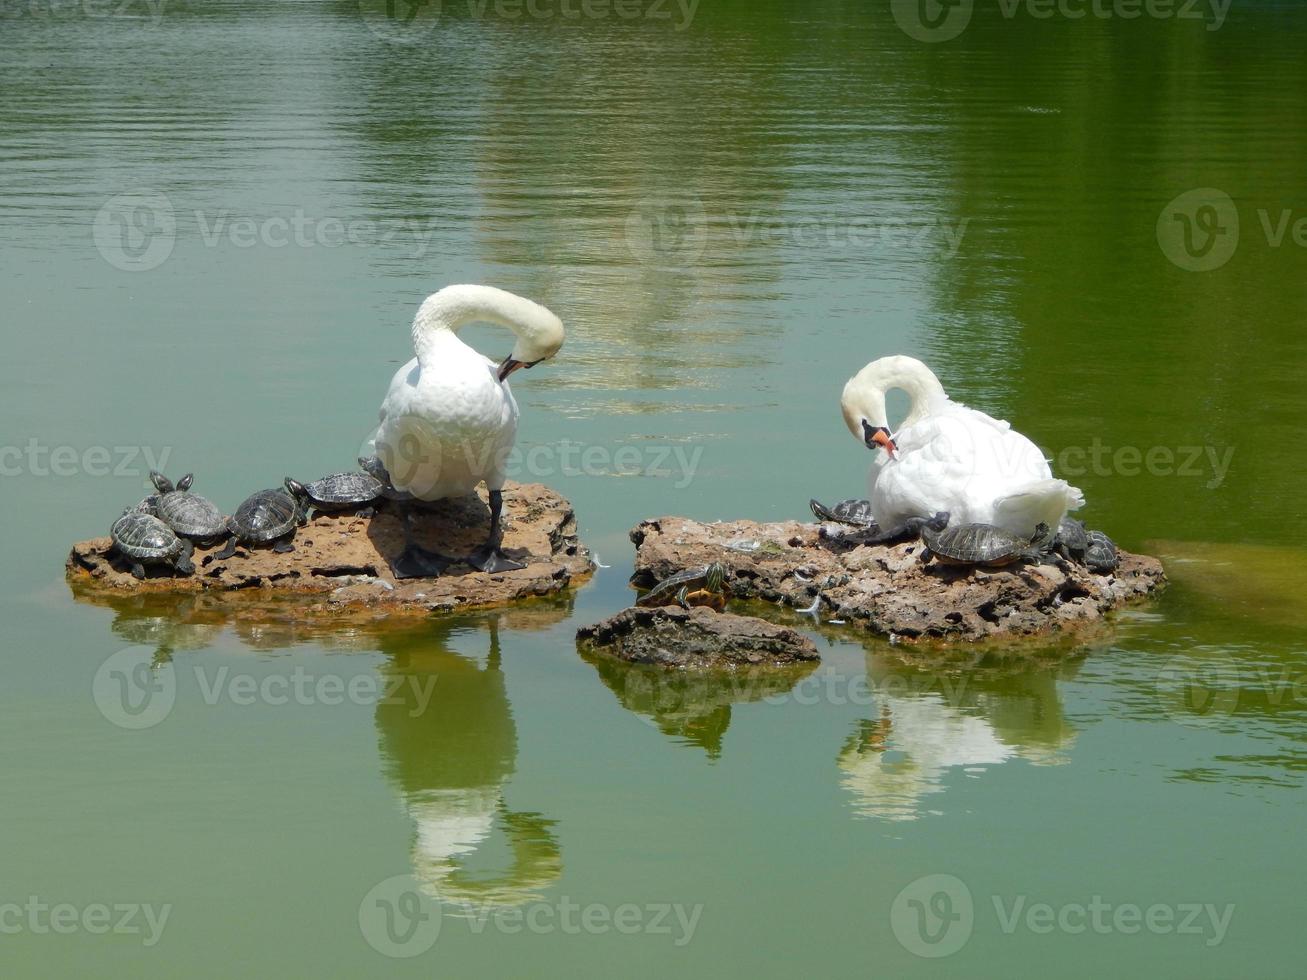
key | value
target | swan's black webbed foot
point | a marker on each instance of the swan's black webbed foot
(417, 562)
(489, 559)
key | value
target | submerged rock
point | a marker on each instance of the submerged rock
(342, 559)
(886, 589)
(696, 639)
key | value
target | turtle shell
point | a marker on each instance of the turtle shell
(975, 544)
(147, 505)
(265, 516)
(665, 591)
(145, 538)
(1071, 539)
(344, 489)
(1100, 554)
(856, 512)
(190, 515)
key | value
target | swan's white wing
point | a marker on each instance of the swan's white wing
(966, 463)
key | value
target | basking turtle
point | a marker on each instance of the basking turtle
(705, 586)
(188, 514)
(339, 492)
(146, 505)
(145, 540)
(266, 517)
(1100, 555)
(854, 512)
(982, 544)
(373, 467)
(1071, 540)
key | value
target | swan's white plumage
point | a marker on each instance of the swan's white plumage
(447, 422)
(952, 458)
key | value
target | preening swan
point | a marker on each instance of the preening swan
(946, 457)
(449, 420)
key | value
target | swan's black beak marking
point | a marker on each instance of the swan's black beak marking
(877, 437)
(507, 366)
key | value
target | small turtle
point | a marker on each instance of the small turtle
(145, 540)
(375, 468)
(339, 492)
(854, 512)
(269, 516)
(188, 514)
(146, 505)
(705, 586)
(1071, 540)
(982, 544)
(1100, 555)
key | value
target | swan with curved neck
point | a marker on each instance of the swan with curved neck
(449, 419)
(947, 457)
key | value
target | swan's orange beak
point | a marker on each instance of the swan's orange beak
(878, 436)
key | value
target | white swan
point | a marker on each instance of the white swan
(449, 420)
(946, 457)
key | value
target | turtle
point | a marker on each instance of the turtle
(145, 540)
(985, 545)
(339, 492)
(1101, 555)
(265, 517)
(854, 512)
(1071, 540)
(188, 514)
(375, 468)
(703, 586)
(146, 505)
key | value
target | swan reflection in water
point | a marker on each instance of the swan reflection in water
(446, 733)
(927, 726)
(449, 745)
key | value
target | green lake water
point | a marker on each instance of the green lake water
(216, 222)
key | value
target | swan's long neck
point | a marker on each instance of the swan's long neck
(864, 395)
(444, 313)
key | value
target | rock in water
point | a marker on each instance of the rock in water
(344, 558)
(696, 639)
(885, 588)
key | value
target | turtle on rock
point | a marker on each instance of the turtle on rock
(339, 492)
(857, 514)
(145, 540)
(984, 545)
(188, 514)
(265, 517)
(1101, 555)
(704, 586)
